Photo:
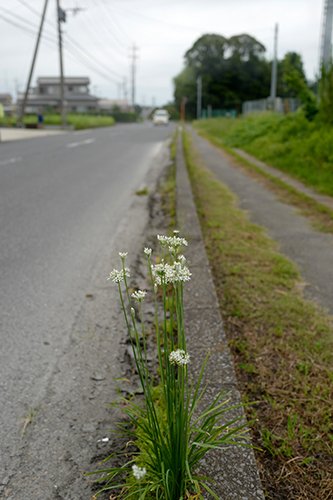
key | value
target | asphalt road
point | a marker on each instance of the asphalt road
(62, 199)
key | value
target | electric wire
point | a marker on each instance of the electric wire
(152, 19)
(77, 47)
(74, 55)
(102, 24)
(112, 20)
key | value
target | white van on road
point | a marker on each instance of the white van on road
(161, 117)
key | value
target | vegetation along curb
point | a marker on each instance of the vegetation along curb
(233, 469)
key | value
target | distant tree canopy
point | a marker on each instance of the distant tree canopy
(233, 70)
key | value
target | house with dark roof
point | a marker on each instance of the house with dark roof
(47, 95)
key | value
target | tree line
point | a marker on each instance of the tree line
(233, 70)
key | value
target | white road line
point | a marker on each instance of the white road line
(11, 160)
(80, 143)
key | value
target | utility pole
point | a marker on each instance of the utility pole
(182, 109)
(125, 89)
(274, 68)
(61, 16)
(199, 97)
(326, 43)
(32, 65)
(133, 56)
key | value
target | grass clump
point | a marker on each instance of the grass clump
(79, 121)
(173, 435)
(301, 148)
(282, 345)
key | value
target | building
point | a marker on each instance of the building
(110, 104)
(47, 95)
(6, 104)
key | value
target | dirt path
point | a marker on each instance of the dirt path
(311, 250)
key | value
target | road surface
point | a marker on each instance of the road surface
(62, 199)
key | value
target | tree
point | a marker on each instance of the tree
(292, 62)
(298, 84)
(326, 93)
(232, 70)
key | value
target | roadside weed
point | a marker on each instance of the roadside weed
(28, 417)
(172, 435)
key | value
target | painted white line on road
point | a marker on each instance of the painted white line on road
(80, 143)
(11, 160)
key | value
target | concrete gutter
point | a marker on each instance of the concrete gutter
(323, 199)
(234, 469)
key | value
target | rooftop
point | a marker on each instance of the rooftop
(68, 80)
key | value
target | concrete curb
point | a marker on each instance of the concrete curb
(234, 469)
(323, 199)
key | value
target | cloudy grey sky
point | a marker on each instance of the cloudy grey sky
(163, 30)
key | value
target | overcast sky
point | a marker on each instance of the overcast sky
(163, 30)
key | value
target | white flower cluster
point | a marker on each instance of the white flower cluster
(119, 276)
(123, 255)
(138, 472)
(148, 251)
(166, 273)
(173, 242)
(179, 357)
(139, 295)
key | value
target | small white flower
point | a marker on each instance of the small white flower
(175, 231)
(139, 472)
(177, 242)
(173, 251)
(182, 259)
(123, 255)
(139, 295)
(119, 276)
(148, 251)
(162, 239)
(162, 273)
(180, 272)
(172, 241)
(132, 311)
(179, 357)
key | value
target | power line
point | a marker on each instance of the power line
(22, 19)
(113, 21)
(154, 20)
(101, 24)
(71, 40)
(77, 56)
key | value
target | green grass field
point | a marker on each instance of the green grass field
(79, 121)
(291, 143)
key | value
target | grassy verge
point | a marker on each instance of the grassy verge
(80, 121)
(291, 143)
(168, 189)
(281, 344)
(320, 216)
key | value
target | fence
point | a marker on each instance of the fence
(216, 113)
(280, 105)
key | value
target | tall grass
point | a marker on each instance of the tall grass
(291, 143)
(175, 440)
(79, 121)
